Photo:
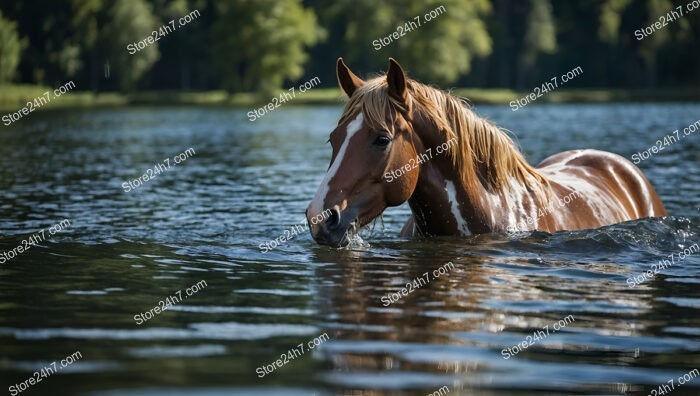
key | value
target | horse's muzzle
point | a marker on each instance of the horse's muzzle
(329, 227)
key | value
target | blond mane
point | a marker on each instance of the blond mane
(483, 153)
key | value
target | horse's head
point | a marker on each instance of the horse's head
(373, 137)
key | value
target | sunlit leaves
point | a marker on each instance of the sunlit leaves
(259, 44)
(10, 49)
(540, 35)
(129, 21)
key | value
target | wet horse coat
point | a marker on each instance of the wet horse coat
(482, 184)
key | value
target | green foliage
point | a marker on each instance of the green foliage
(129, 21)
(259, 44)
(84, 21)
(355, 24)
(540, 35)
(439, 50)
(610, 18)
(10, 49)
(442, 49)
(651, 44)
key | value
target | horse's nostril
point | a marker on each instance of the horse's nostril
(333, 220)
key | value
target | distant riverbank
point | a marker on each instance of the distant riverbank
(16, 97)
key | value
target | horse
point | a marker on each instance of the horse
(398, 140)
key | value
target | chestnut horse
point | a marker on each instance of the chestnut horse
(398, 140)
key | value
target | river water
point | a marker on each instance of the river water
(102, 261)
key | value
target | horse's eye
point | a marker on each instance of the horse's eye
(382, 141)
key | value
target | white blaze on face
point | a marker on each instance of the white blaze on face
(317, 205)
(454, 206)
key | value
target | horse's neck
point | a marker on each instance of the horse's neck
(442, 205)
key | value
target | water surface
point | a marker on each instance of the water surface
(246, 183)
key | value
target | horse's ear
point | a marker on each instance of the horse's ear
(396, 79)
(348, 81)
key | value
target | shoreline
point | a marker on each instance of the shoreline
(15, 97)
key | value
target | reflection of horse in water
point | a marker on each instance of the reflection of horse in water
(371, 337)
(398, 140)
(372, 293)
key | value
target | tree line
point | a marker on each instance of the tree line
(264, 45)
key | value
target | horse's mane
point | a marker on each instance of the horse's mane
(483, 153)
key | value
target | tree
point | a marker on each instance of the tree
(45, 24)
(259, 44)
(438, 50)
(10, 49)
(650, 46)
(442, 49)
(84, 21)
(184, 62)
(541, 34)
(610, 18)
(129, 21)
(540, 37)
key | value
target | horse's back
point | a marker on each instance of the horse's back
(604, 177)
